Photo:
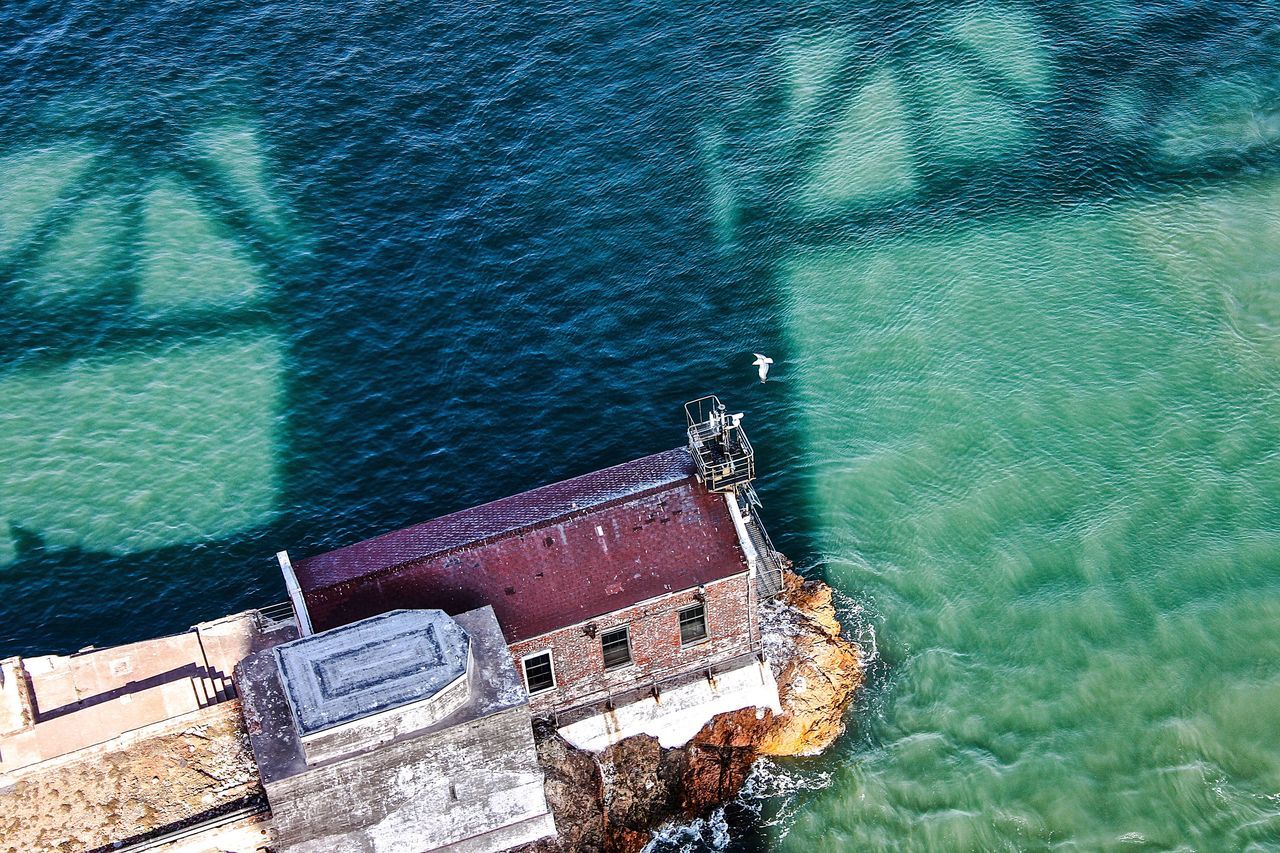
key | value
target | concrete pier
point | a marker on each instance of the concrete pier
(116, 746)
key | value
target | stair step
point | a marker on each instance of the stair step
(770, 574)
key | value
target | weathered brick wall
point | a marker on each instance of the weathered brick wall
(656, 653)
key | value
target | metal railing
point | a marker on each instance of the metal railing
(769, 564)
(769, 569)
(719, 445)
(189, 831)
(653, 682)
(277, 613)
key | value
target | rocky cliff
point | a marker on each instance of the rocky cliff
(613, 801)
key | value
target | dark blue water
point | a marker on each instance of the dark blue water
(496, 266)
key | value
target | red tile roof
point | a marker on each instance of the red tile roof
(547, 558)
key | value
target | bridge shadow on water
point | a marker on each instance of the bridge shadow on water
(370, 267)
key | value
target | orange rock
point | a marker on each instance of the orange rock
(813, 600)
(609, 803)
(821, 671)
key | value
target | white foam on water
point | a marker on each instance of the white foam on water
(857, 625)
(709, 833)
(783, 788)
(773, 792)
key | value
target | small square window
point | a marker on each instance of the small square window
(538, 673)
(693, 624)
(616, 645)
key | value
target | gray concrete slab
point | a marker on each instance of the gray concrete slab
(370, 666)
(471, 779)
(493, 685)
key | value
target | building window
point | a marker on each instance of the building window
(693, 624)
(616, 645)
(539, 675)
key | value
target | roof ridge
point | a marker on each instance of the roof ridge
(477, 524)
(507, 534)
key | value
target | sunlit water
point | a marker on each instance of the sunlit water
(294, 275)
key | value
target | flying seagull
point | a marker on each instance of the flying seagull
(763, 362)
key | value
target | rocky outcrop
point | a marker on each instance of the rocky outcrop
(613, 801)
(818, 673)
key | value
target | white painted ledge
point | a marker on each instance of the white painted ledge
(680, 712)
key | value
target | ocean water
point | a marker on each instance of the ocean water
(290, 275)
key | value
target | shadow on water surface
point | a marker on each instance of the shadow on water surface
(141, 366)
(460, 328)
(891, 178)
(1008, 303)
(489, 250)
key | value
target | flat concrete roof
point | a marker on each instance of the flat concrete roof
(493, 685)
(371, 666)
(94, 696)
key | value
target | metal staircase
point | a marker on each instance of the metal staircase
(768, 567)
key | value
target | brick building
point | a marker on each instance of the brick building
(632, 590)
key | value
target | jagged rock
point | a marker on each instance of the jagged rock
(642, 784)
(574, 791)
(714, 770)
(820, 671)
(612, 802)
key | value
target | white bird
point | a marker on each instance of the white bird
(763, 362)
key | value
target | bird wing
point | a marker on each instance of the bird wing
(762, 359)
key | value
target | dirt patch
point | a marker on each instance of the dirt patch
(133, 787)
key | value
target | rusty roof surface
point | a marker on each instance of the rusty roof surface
(544, 559)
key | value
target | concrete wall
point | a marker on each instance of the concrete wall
(424, 793)
(656, 653)
(373, 731)
(248, 834)
(681, 710)
(67, 703)
(17, 706)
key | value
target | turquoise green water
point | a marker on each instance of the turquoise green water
(120, 449)
(1046, 449)
(1034, 391)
